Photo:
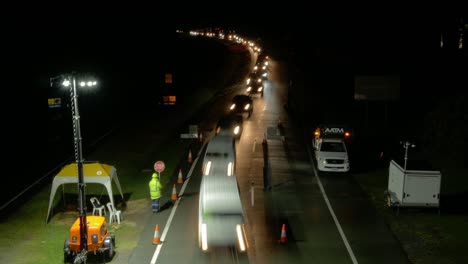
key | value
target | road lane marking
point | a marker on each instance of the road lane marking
(171, 216)
(254, 144)
(327, 202)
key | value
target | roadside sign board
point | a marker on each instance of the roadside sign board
(188, 135)
(159, 166)
(54, 102)
(168, 78)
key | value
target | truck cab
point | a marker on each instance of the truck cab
(330, 151)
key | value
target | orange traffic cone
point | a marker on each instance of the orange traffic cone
(156, 239)
(180, 179)
(190, 156)
(283, 238)
(174, 193)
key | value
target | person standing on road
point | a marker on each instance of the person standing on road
(155, 192)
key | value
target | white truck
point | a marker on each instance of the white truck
(331, 153)
(412, 188)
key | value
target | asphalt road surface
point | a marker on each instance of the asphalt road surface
(328, 217)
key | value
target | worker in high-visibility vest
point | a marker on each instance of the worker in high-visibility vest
(155, 192)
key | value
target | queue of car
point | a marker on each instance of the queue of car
(241, 105)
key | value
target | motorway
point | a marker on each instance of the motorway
(328, 217)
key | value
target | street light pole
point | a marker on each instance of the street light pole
(406, 145)
(70, 80)
(79, 161)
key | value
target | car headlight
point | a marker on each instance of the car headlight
(324, 161)
(260, 89)
(249, 88)
(265, 74)
(264, 68)
(248, 80)
(247, 107)
(255, 68)
(236, 130)
(259, 80)
(232, 106)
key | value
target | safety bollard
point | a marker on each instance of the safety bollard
(252, 195)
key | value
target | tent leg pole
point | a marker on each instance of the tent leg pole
(63, 195)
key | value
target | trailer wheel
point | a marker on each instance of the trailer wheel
(67, 255)
(109, 244)
(110, 251)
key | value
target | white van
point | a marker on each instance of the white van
(220, 155)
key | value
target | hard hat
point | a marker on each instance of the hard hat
(155, 175)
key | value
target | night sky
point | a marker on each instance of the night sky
(121, 42)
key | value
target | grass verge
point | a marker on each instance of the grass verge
(426, 236)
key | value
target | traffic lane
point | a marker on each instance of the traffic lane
(312, 235)
(180, 245)
(181, 242)
(366, 231)
(300, 203)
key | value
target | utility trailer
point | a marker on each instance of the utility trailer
(412, 188)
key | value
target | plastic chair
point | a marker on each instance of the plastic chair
(97, 206)
(114, 215)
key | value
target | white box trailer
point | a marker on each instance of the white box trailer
(413, 188)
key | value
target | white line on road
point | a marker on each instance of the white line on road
(254, 144)
(327, 202)
(169, 220)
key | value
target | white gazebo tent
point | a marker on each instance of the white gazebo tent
(92, 173)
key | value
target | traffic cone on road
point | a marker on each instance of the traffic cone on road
(157, 238)
(180, 179)
(283, 238)
(190, 156)
(174, 193)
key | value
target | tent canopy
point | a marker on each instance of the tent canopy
(92, 173)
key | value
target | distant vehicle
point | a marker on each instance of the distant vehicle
(254, 84)
(242, 103)
(232, 123)
(100, 240)
(261, 70)
(220, 155)
(262, 57)
(330, 149)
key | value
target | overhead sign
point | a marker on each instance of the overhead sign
(159, 166)
(377, 88)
